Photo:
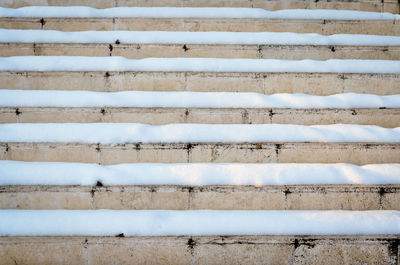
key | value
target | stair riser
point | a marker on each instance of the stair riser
(326, 27)
(347, 250)
(388, 118)
(299, 197)
(375, 6)
(268, 83)
(354, 153)
(140, 51)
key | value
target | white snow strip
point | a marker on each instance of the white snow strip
(82, 63)
(187, 12)
(150, 99)
(196, 174)
(195, 223)
(186, 37)
(117, 133)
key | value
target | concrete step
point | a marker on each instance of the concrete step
(267, 83)
(325, 27)
(294, 197)
(382, 117)
(140, 51)
(353, 153)
(343, 249)
(362, 5)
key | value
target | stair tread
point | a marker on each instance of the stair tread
(185, 12)
(120, 133)
(241, 174)
(366, 5)
(85, 63)
(195, 223)
(115, 37)
(195, 100)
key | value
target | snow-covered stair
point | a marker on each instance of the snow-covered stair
(113, 143)
(200, 19)
(215, 186)
(252, 45)
(35, 106)
(267, 76)
(363, 5)
(265, 153)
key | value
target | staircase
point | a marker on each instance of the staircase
(81, 182)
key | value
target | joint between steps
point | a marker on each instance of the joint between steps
(185, 83)
(186, 118)
(42, 22)
(110, 48)
(99, 158)
(260, 52)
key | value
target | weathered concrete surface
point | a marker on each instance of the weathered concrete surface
(140, 51)
(291, 197)
(267, 83)
(368, 5)
(325, 27)
(363, 5)
(94, 250)
(388, 118)
(354, 153)
(346, 249)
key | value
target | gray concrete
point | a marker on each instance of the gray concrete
(348, 250)
(268, 83)
(388, 118)
(354, 153)
(140, 51)
(326, 27)
(291, 197)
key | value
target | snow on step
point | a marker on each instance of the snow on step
(195, 174)
(374, 5)
(172, 37)
(186, 12)
(149, 99)
(195, 223)
(82, 63)
(118, 133)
